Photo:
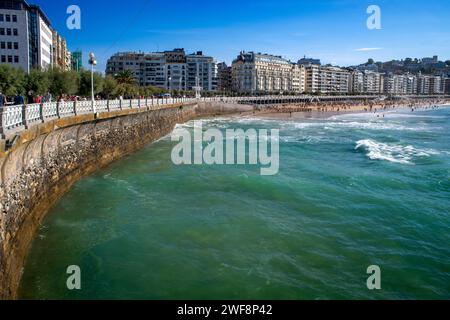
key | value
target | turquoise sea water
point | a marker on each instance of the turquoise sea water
(353, 191)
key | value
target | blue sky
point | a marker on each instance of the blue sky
(333, 30)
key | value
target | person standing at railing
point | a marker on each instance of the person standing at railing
(19, 99)
(2, 100)
(30, 97)
(38, 99)
(48, 97)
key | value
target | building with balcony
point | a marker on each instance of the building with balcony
(201, 71)
(170, 70)
(61, 56)
(327, 79)
(224, 77)
(264, 73)
(27, 39)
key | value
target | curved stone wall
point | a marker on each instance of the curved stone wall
(49, 158)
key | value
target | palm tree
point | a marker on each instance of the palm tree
(125, 77)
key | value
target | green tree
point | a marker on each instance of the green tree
(126, 77)
(63, 82)
(109, 87)
(38, 81)
(12, 80)
(127, 91)
(85, 88)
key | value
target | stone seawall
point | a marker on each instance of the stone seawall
(48, 158)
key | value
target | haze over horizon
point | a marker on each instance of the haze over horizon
(334, 31)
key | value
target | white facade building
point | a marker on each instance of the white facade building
(327, 79)
(264, 73)
(170, 70)
(14, 45)
(26, 36)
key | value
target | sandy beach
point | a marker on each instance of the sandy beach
(321, 110)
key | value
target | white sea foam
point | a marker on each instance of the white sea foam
(359, 125)
(392, 152)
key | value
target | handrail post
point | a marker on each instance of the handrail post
(75, 111)
(107, 106)
(120, 104)
(57, 110)
(24, 115)
(41, 112)
(2, 130)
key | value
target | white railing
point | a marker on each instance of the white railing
(84, 107)
(18, 116)
(134, 103)
(66, 109)
(101, 105)
(12, 117)
(49, 110)
(21, 116)
(33, 113)
(114, 104)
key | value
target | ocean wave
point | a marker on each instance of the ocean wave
(392, 152)
(359, 125)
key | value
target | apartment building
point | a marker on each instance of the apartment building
(42, 40)
(261, 73)
(427, 84)
(373, 82)
(435, 85)
(171, 70)
(14, 40)
(312, 81)
(201, 72)
(298, 79)
(356, 82)
(327, 79)
(61, 56)
(395, 84)
(423, 84)
(446, 85)
(27, 38)
(224, 76)
(333, 80)
(411, 84)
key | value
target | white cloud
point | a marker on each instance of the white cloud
(368, 49)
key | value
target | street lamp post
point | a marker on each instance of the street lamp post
(93, 63)
(170, 85)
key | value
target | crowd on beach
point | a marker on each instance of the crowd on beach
(354, 106)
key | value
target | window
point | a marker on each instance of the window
(2, 18)
(3, 59)
(8, 32)
(10, 59)
(16, 46)
(16, 59)
(14, 18)
(2, 45)
(16, 33)
(2, 31)
(9, 45)
(8, 18)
